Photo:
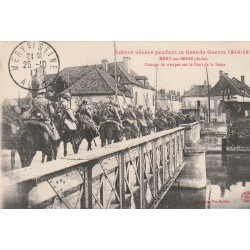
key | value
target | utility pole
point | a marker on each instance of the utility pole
(115, 72)
(156, 83)
(208, 96)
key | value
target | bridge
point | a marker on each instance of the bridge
(130, 174)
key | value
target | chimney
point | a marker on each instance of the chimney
(205, 84)
(221, 73)
(242, 79)
(126, 64)
(105, 65)
(162, 91)
(226, 74)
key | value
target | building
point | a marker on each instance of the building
(197, 98)
(102, 82)
(170, 100)
(228, 89)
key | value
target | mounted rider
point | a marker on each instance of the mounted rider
(111, 112)
(85, 110)
(11, 113)
(41, 113)
(68, 115)
(159, 114)
(149, 115)
(140, 116)
(130, 116)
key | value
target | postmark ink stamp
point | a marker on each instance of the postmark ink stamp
(30, 60)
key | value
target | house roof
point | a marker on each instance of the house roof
(232, 84)
(92, 76)
(96, 81)
(126, 78)
(196, 91)
(72, 74)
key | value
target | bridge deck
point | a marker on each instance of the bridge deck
(131, 174)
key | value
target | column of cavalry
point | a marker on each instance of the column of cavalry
(49, 120)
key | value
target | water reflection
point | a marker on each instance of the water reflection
(228, 178)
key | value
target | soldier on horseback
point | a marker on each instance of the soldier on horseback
(85, 110)
(11, 114)
(149, 115)
(130, 116)
(159, 114)
(141, 120)
(68, 116)
(41, 110)
(111, 112)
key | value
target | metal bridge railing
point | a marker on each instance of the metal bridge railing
(129, 174)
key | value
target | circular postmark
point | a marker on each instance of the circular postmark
(245, 197)
(34, 65)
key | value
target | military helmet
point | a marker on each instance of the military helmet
(84, 102)
(67, 95)
(49, 95)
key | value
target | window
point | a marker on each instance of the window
(153, 100)
(198, 104)
(189, 104)
(136, 98)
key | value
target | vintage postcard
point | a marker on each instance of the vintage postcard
(101, 125)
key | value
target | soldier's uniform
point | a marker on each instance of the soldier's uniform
(11, 113)
(110, 112)
(149, 115)
(41, 110)
(160, 114)
(68, 115)
(84, 110)
(131, 117)
(140, 116)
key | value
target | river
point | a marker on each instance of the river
(228, 178)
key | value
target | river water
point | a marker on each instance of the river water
(228, 178)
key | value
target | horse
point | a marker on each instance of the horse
(10, 138)
(151, 126)
(85, 130)
(109, 132)
(66, 134)
(129, 130)
(142, 124)
(160, 124)
(35, 138)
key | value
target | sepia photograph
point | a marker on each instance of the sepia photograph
(125, 125)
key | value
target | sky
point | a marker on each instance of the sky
(168, 77)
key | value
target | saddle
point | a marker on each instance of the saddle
(51, 130)
(163, 120)
(71, 125)
(130, 121)
(90, 124)
(113, 121)
(143, 122)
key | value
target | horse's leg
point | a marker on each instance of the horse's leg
(77, 146)
(43, 157)
(30, 157)
(103, 142)
(12, 153)
(65, 148)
